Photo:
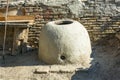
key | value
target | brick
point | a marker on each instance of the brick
(90, 20)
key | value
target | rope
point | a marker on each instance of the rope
(5, 30)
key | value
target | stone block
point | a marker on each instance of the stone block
(42, 70)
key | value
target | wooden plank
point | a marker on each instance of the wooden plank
(19, 21)
(2, 18)
(29, 19)
(20, 18)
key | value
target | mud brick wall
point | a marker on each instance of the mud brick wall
(101, 18)
(44, 14)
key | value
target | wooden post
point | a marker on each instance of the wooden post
(14, 41)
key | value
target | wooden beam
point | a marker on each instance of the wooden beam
(2, 18)
(20, 18)
(29, 19)
(14, 42)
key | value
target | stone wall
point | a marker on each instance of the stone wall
(100, 17)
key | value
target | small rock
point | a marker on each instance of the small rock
(42, 70)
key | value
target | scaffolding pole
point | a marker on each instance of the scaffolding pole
(5, 31)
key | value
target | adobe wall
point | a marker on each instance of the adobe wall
(101, 18)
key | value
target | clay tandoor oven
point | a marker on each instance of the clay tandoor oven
(64, 42)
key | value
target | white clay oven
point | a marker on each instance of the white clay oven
(64, 42)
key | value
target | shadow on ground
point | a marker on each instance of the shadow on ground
(89, 74)
(106, 61)
(26, 59)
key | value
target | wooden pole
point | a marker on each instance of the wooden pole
(5, 31)
(14, 42)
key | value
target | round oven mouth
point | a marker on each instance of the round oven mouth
(63, 22)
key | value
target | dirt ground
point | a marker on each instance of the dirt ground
(104, 66)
